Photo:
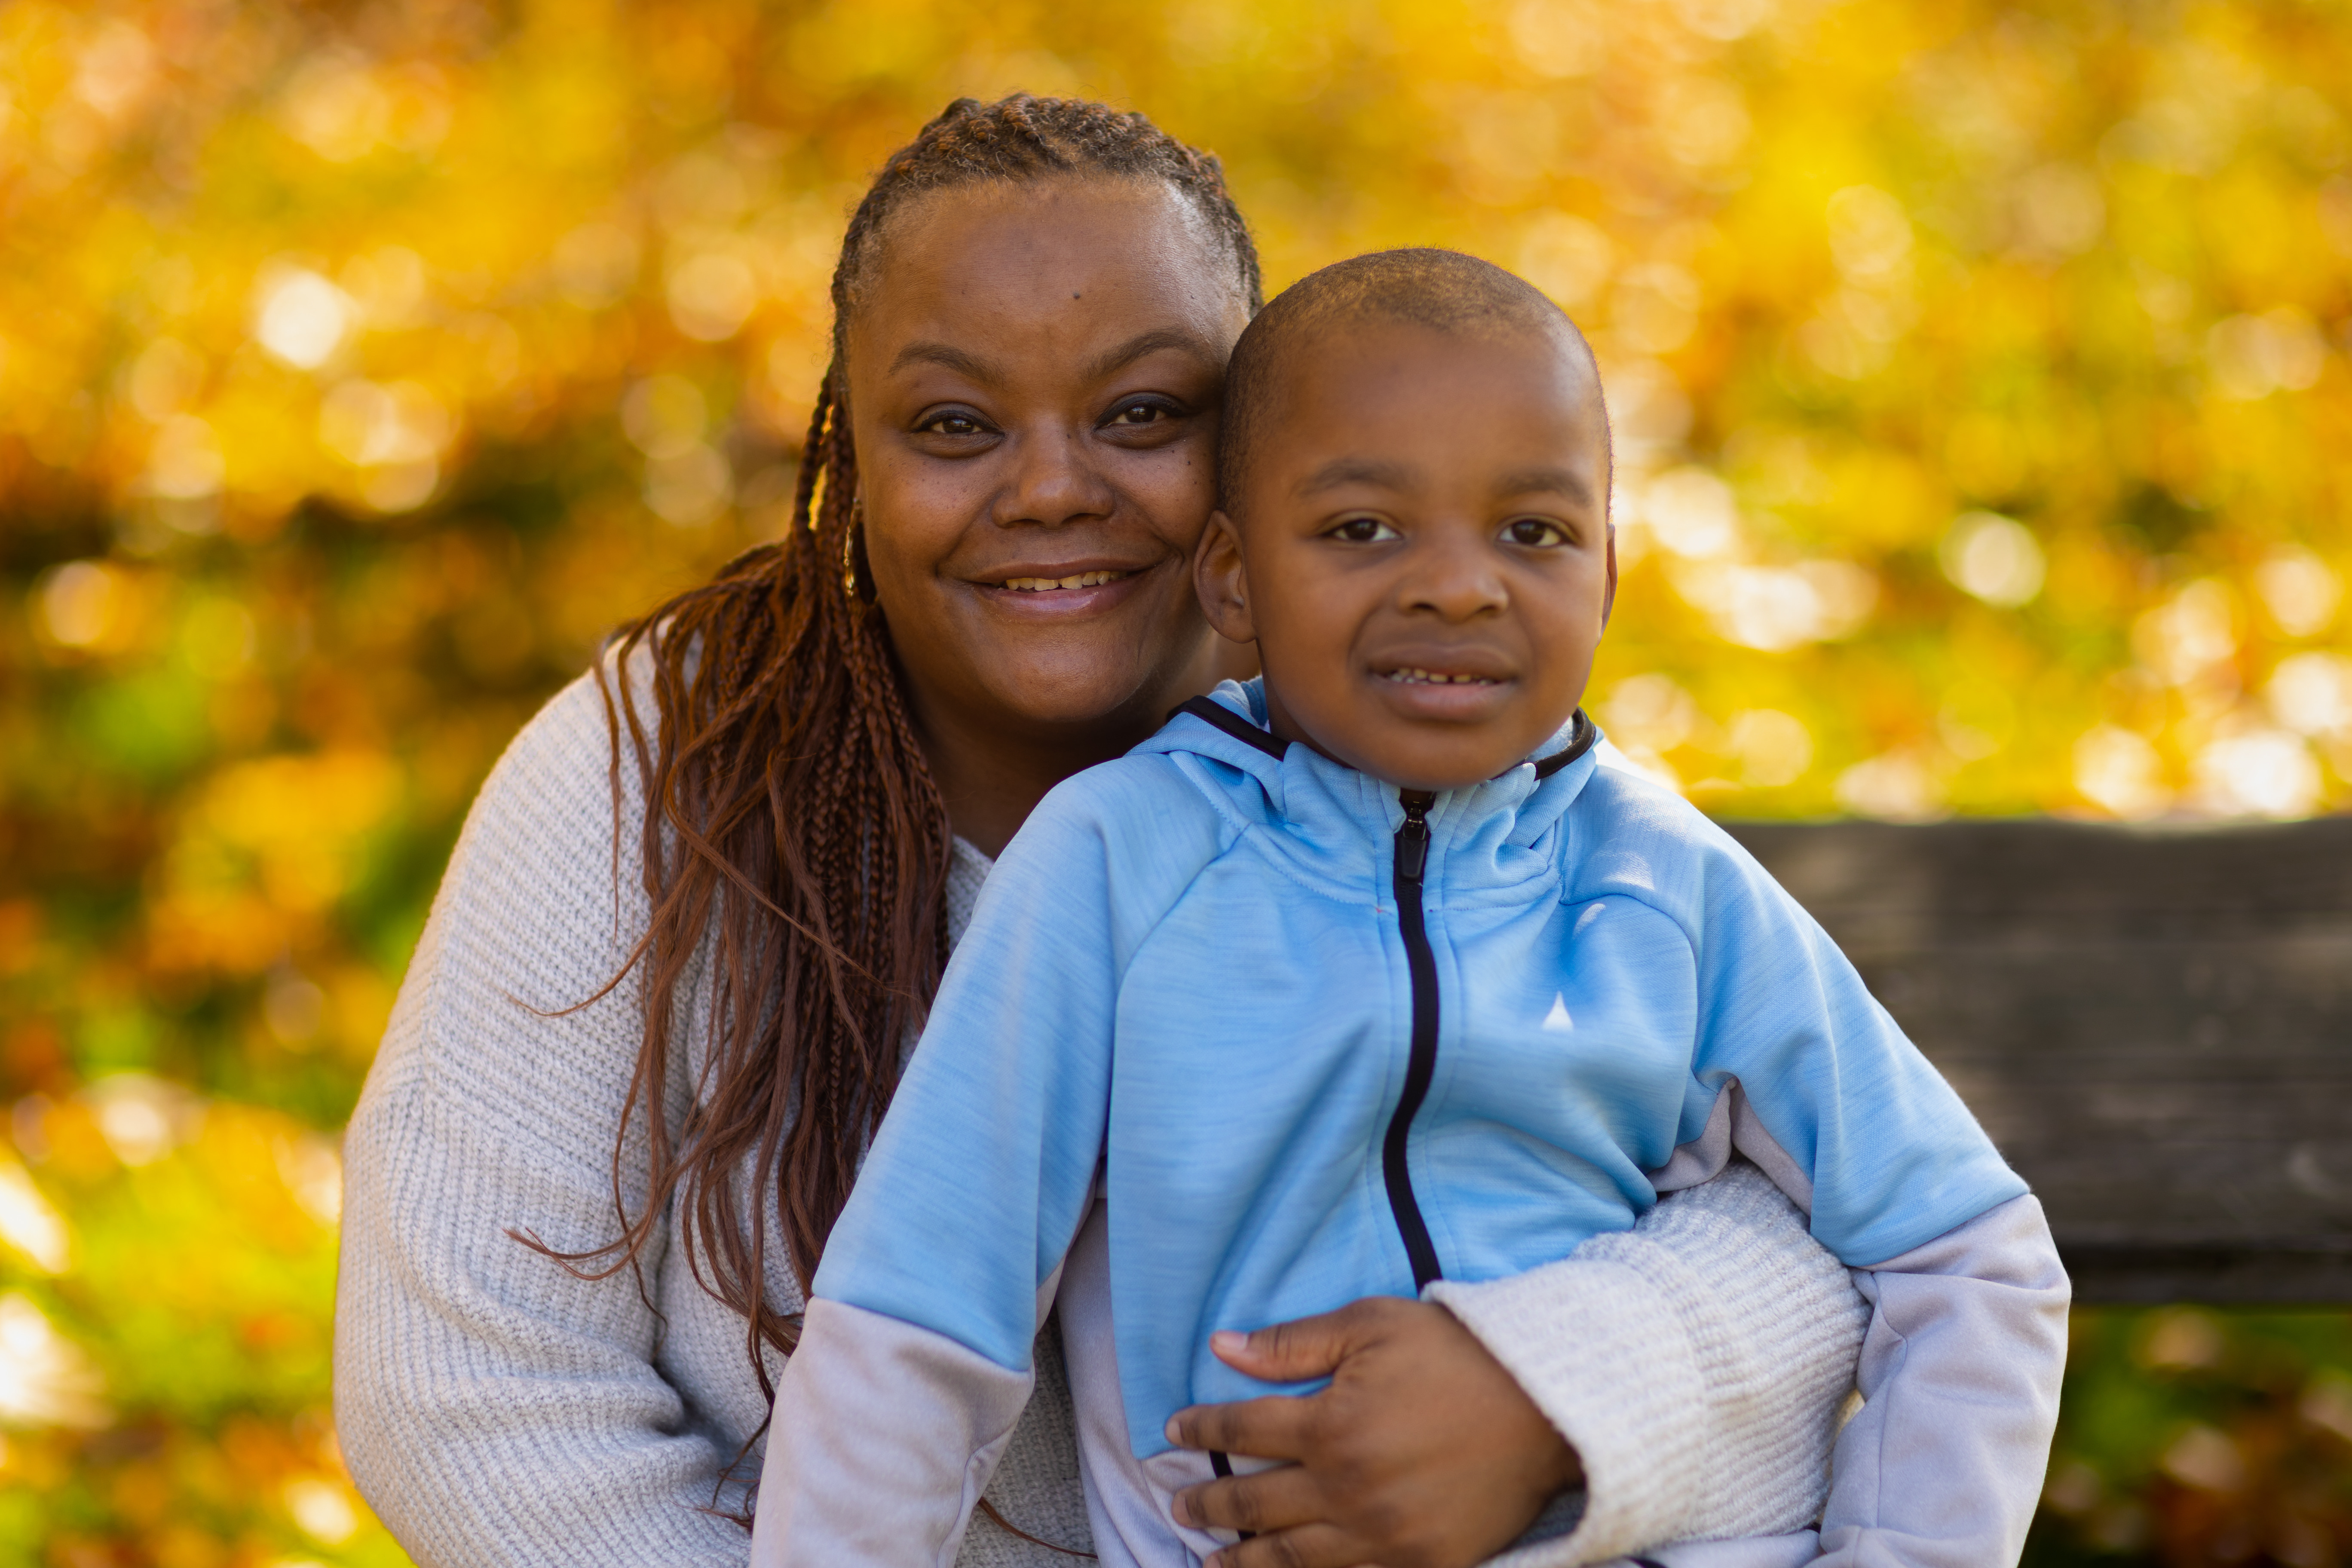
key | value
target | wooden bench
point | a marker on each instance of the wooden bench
(2155, 1026)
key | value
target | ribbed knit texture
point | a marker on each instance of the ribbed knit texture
(1698, 1363)
(496, 1410)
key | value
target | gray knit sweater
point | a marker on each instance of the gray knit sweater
(494, 1409)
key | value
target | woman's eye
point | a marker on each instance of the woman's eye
(1139, 413)
(1535, 532)
(1363, 530)
(950, 425)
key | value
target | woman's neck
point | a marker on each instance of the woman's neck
(991, 774)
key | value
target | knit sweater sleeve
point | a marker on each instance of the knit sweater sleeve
(1699, 1365)
(494, 1408)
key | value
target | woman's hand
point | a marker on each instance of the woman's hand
(1422, 1453)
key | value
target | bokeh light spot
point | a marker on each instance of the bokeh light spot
(303, 317)
(1992, 557)
(712, 294)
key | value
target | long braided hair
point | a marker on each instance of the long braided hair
(790, 821)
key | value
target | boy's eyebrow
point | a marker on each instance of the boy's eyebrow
(926, 351)
(1559, 481)
(1355, 471)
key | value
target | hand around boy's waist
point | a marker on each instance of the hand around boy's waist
(1421, 1453)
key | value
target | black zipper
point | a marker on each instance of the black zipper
(1420, 1065)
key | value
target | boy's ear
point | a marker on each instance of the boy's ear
(1609, 595)
(1222, 582)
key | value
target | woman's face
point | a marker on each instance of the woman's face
(1035, 373)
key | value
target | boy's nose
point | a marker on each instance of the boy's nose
(1053, 481)
(1453, 577)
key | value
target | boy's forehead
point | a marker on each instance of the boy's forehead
(1420, 383)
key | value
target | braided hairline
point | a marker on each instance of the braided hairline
(1019, 139)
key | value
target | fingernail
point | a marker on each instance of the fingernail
(1169, 1431)
(1182, 1509)
(1229, 1342)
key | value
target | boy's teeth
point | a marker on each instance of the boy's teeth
(1436, 678)
(1083, 580)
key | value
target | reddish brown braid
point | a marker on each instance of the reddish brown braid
(792, 831)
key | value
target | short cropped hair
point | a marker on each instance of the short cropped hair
(1442, 290)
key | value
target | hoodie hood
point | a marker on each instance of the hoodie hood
(1486, 839)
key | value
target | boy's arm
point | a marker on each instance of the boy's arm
(914, 1364)
(1698, 1363)
(1959, 1377)
(884, 1436)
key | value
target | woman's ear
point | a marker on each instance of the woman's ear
(1222, 582)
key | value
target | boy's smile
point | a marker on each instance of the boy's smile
(1422, 552)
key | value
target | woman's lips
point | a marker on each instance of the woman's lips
(1050, 585)
(1047, 594)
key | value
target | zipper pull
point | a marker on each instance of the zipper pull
(1413, 835)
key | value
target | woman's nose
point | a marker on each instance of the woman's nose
(1053, 481)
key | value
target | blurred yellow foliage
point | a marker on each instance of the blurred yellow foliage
(1979, 389)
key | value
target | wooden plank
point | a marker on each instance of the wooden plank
(2155, 1026)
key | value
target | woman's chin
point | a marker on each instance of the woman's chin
(1111, 695)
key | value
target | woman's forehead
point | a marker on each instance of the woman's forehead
(1020, 248)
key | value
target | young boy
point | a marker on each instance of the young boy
(1365, 978)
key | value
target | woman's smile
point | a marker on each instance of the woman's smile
(1064, 590)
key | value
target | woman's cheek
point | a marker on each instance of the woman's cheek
(1179, 493)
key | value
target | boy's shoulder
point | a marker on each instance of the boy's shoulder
(1140, 821)
(1630, 836)
(1140, 788)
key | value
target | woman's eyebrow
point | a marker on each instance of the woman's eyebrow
(927, 352)
(1135, 348)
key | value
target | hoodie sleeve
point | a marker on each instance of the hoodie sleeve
(1943, 1465)
(915, 1361)
(1698, 1363)
(1740, 1333)
(1881, 1152)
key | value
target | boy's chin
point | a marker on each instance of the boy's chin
(1442, 763)
(1420, 737)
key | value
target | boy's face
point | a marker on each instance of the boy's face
(1423, 556)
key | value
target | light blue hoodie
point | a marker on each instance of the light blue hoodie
(1317, 1045)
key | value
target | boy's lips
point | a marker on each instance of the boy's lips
(1413, 675)
(1445, 689)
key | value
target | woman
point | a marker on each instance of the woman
(985, 588)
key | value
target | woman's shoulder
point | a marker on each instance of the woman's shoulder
(561, 763)
(536, 914)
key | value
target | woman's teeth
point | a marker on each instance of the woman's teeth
(1083, 580)
(1437, 678)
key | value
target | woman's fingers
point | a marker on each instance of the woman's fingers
(1274, 1427)
(1298, 1349)
(1308, 1546)
(1262, 1501)
(1422, 1453)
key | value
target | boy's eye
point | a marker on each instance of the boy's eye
(1535, 532)
(1139, 411)
(1363, 530)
